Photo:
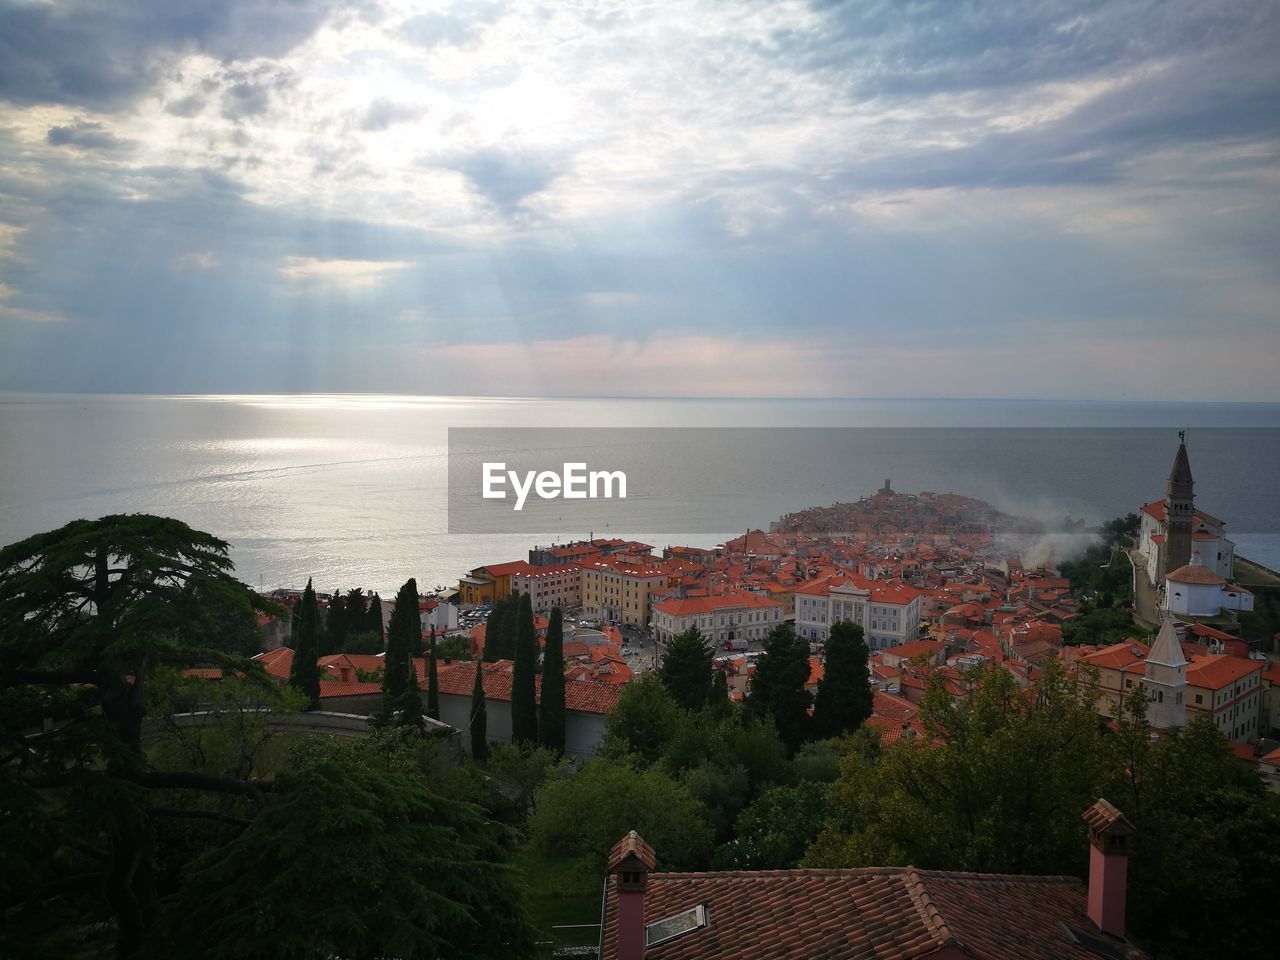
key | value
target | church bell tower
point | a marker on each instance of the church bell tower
(1179, 505)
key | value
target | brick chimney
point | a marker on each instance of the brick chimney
(630, 861)
(1110, 835)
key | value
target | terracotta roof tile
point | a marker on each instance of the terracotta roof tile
(885, 913)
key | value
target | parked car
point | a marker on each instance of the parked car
(736, 645)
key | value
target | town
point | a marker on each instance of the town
(874, 724)
(935, 581)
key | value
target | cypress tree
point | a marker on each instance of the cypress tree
(304, 674)
(686, 669)
(777, 689)
(844, 697)
(551, 716)
(479, 722)
(336, 624)
(433, 682)
(409, 706)
(524, 682)
(500, 631)
(373, 617)
(398, 662)
(718, 699)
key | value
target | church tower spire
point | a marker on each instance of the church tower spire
(1179, 507)
(1165, 680)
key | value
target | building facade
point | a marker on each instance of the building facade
(620, 590)
(733, 616)
(887, 610)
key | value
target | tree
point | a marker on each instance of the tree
(620, 796)
(479, 722)
(335, 625)
(373, 616)
(551, 716)
(843, 701)
(686, 669)
(524, 690)
(304, 672)
(774, 831)
(719, 697)
(778, 687)
(500, 629)
(997, 786)
(399, 673)
(359, 863)
(644, 721)
(88, 614)
(433, 682)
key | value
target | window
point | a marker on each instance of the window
(1199, 698)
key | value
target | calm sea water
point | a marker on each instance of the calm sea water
(352, 489)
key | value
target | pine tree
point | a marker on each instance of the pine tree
(843, 701)
(479, 722)
(777, 689)
(304, 673)
(686, 669)
(551, 716)
(433, 681)
(524, 690)
(357, 610)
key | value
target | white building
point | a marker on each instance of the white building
(731, 616)
(887, 610)
(1165, 545)
(1197, 591)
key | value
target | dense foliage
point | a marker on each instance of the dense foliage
(207, 837)
(686, 669)
(843, 700)
(778, 687)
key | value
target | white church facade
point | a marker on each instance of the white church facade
(1184, 551)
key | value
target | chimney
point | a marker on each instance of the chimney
(1110, 835)
(630, 860)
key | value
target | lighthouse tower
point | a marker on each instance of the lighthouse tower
(1179, 501)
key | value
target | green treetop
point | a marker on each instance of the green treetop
(304, 672)
(778, 686)
(524, 692)
(551, 717)
(843, 701)
(686, 669)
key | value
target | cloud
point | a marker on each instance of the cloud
(506, 177)
(198, 260)
(382, 113)
(346, 273)
(23, 314)
(85, 134)
(105, 55)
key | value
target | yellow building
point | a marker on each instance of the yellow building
(621, 589)
(490, 583)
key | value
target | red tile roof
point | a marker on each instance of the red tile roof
(1219, 670)
(873, 913)
(583, 696)
(727, 601)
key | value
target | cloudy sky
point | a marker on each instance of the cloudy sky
(1059, 198)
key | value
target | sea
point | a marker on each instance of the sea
(352, 490)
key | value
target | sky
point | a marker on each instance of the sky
(1045, 199)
